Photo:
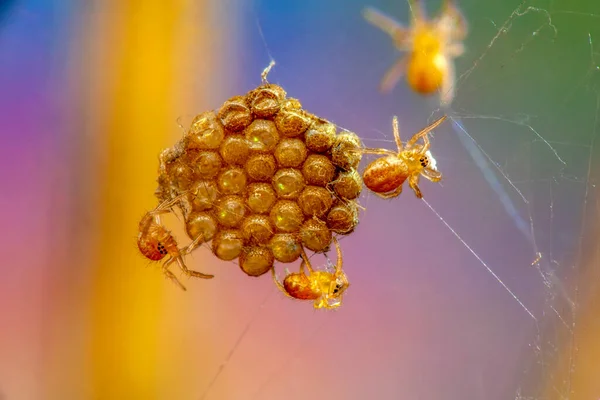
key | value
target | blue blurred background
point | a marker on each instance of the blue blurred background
(91, 92)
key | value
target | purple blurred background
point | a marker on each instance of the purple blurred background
(90, 92)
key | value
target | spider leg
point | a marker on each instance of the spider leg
(328, 302)
(324, 303)
(390, 195)
(187, 250)
(155, 214)
(192, 246)
(320, 303)
(165, 207)
(191, 272)
(387, 24)
(424, 132)
(170, 274)
(278, 284)
(339, 262)
(426, 145)
(460, 24)
(167, 204)
(305, 261)
(383, 152)
(413, 182)
(431, 174)
(455, 49)
(393, 75)
(396, 130)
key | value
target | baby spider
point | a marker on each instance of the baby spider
(431, 44)
(155, 242)
(385, 175)
(324, 287)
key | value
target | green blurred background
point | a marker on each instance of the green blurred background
(92, 91)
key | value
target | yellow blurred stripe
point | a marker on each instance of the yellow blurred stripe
(141, 74)
(576, 373)
(585, 353)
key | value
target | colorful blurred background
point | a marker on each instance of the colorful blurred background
(92, 91)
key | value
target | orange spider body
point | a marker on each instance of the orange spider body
(323, 287)
(301, 287)
(155, 242)
(427, 65)
(431, 45)
(385, 175)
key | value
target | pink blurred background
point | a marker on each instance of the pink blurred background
(91, 92)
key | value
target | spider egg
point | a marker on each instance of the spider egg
(286, 247)
(315, 201)
(261, 167)
(291, 121)
(257, 230)
(204, 195)
(262, 135)
(181, 175)
(265, 100)
(201, 224)
(232, 180)
(227, 245)
(342, 218)
(261, 197)
(230, 211)
(208, 164)
(290, 152)
(320, 136)
(286, 216)
(318, 170)
(346, 152)
(348, 185)
(256, 261)
(234, 150)
(205, 133)
(288, 183)
(315, 235)
(235, 114)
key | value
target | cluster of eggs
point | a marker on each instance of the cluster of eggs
(262, 177)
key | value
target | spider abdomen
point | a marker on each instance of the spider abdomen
(300, 287)
(425, 72)
(385, 174)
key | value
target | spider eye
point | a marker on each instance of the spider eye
(161, 249)
(338, 288)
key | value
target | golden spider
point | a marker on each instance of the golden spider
(385, 175)
(324, 287)
(155, 242)
(432, 45)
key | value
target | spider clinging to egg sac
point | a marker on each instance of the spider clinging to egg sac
(156, 242)
(431, 44)
(324, 287)
(385, 175)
